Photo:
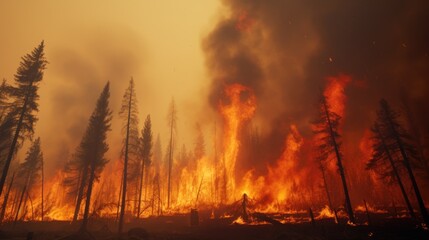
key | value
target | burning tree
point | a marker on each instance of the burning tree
(156, 191)
(88, 162)
(29, 174)
(397, 141)
(3, 98)
(5, 121)
(199, 144)
(383, 163)
(146, 154)
(131, 144)
(94, 146)
(172, 120)
(25, 96)
(327, 134)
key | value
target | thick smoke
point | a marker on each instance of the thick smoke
(285, 50)
(82, 70)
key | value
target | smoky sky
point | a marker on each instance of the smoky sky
(82, 73)
(285, 50)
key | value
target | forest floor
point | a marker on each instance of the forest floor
(178, 228)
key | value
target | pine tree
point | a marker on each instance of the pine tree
(94, 146)
(172, 119)
(393, 131)
(325, 186)
(29, 172)
(78, 178)
(157, 155)
(3, 98)
(383, 163)
(78, 169)
(6, 198)
(25, 96)
(199, 147)
(327, 133)
(6, 125)
(129, 114)
(146, 154)
(6, 122)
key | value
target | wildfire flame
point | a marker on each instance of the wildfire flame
(240, 105)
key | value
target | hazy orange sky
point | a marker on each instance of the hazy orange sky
(90, 42)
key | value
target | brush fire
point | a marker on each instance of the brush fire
(303, 122)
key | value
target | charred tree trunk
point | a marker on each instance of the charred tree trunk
(5, 200)
(21, 198)
(119, 201)
(407, 164)
(140, 189)
(80, 193)
(395, 172)
(124, 184)
(88, 199)
(417, 137)
(170, 159)
(367, 213)
(43, 182)
(325, 184)
(340, 167)
(15, 140)
(32, 206)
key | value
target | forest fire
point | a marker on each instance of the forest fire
(276, 120)
(239, 107)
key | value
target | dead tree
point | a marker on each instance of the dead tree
(172, 118)
(129, 114)
(328, 195)
(397, 133)
(381, 154)
(6, 198)
(146, 153)
(28, 170)
(326, 129)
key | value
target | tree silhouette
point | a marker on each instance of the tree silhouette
(383, 163)
(172, 119)
(94, 146)
(401, 141)
(89, 151)
(29, 173)
(199, 147)
(146, 154)
(3, 98)
(25, 96)
(6, 122)
(327, 135)
(129, 114)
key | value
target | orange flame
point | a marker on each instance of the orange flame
(334, 93)
(239, 107)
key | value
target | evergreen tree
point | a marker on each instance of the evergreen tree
(74, 171)
(131, 144)
(94, 146)
(384, 164)
(200, 146)
(29, 173)
(3, 98)
(25, 96)
(157, 155)
(146, 154)
(172, 121)
(89, 155)
(400, 142)
(327, 135)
